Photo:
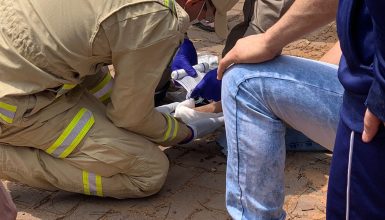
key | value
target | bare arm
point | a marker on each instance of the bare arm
(333, 56)
(214, 107)
(303, 17)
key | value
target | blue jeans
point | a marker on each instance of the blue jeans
(259, 102)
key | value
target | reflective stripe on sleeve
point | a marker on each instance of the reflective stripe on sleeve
(170, 4)
(172, 128)
(103, 90)
(7, 112)
(64, 89)
(92, 184)
(72, 134)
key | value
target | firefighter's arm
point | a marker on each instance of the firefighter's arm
(141, 49)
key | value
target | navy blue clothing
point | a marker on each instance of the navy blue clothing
(357, 179)
(367, 178)
(361, 30)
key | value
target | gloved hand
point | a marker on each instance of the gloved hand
(209, 87)
(167, 108)
(187, 114)
(201, 123)
(185, 58)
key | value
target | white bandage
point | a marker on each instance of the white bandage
(187, 114)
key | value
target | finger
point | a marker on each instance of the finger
(371, 124)
(224, 63)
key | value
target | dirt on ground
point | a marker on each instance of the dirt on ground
(195, 187)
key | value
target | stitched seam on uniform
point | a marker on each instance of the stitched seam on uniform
(20, 34)
(173, 34)
(92, 39)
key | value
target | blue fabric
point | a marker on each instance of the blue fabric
(185, 58)
(295, 141)
(209, 87)
(361, 30)
(367, 200)
(259, 101)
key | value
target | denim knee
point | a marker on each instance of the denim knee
(233, 79)
(244, 80)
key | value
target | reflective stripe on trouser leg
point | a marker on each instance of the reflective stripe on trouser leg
(92, 184)
(172, 128)
(72, 134)
(103, 90)
(351, 144)
(130, 166)
(7, 112)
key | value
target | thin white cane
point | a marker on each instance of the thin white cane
(349, 172)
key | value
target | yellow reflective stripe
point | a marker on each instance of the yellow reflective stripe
(64, 89)
(167, 134)
(104, 89)
(173, 6)
(176, 129)
(170, 4)
(79, 138)
(106, 96)
(172, 128)
(8, 107)
(6, 119)
(72, 134)
(7, 112)
(103, 83)
(68, 86)
(92, 184)
(86, 184)
(99, 188)
(66, 131)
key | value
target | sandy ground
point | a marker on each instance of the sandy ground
(195, 188)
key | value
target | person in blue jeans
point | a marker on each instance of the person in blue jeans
(262, 95)
(259, 103)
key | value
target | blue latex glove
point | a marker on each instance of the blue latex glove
(209, 87)
(185, 58)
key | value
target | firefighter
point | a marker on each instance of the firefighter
(65, 122)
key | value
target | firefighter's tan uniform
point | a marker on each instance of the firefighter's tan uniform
(56, 134)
